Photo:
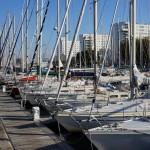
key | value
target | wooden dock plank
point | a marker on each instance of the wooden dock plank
(23, 132)
(4, 140)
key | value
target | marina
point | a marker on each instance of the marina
(75, 75)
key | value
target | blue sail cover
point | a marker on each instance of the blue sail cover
(80, 74)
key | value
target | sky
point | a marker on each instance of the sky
(105, 14)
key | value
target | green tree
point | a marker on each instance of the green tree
(125, 51)
(89, 56)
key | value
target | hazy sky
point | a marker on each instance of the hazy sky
(105, 13)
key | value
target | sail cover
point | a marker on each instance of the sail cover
(140, 78)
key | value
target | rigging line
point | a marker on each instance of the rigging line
(62, 138)
(16, 28)
(9, 58)
(20, 17)
(89, 20)
(140, 8)
(1, 47)
(56, 44)
(60, 134)
(73, 16)
(5, 41)
(124, 10)
(23, 4)
(91, 141)
(72, 45)
(108, 41)
(31, 15)
(27, 28)
(39, 37)
(139, 12)
(3, 29)
(28, 23)
(14, 37)
(31, 42)
(94, 1)
(99, 21)
(80, 127)
(49, 41)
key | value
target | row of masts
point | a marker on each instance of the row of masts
(59, 31)
(24, 36)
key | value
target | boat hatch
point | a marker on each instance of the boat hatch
(90, 97)
(124, 95)
(64, 91)
(113, 96)
(80, 90)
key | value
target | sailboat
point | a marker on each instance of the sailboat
(86, 117)
(133, 134)
(73, 119)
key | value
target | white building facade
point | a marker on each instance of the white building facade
(87, 41)
(76, 48)
(120, 32)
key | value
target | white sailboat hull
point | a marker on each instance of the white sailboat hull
(120, 140)
(77, 123)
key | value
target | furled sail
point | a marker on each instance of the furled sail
(61, 65)
(140, 78)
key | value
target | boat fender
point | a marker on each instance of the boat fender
(93, 101)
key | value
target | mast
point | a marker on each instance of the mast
(4, 48)
(58, 48)
(80, 56)
(119, 43)
(15, 43)
(1, 36)
(112, 49)
(149, 51)
(40, 48)
(37, 56)
(22, 45)
(3, 52)
(71, 49)
(39, 37)
(26, 37)
(56, 44)
(66, 37)
(9, 45)
(133, 44)
(95, 47)
(141, 51)
(13, 34)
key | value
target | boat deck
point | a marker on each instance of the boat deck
(18, 130)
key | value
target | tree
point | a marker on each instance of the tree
(125, 51)
(89, 56)
(18, 61)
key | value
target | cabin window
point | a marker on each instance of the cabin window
(113, 96)
(124, 95)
